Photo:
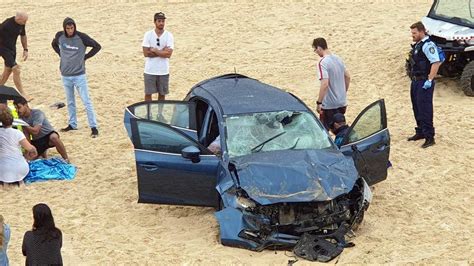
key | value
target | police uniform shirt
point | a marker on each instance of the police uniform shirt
(430, 50)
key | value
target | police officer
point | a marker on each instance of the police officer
(425, 63)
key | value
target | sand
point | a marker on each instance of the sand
(423, 213)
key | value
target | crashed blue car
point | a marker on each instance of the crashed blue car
(278, 181)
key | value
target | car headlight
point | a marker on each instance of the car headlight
(245, 203)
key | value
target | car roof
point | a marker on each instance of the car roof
(239, 94)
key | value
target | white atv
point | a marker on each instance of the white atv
(450, 24)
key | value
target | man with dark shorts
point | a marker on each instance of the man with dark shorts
(158, 47)
(10, 29)
(335, 81)
(44, 136)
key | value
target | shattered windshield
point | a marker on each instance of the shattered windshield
(283, 130)
(454, 11)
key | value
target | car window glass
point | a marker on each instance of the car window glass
(457, 11)
(174, 114)
(157, 137)
(369, 122)
(294, 130)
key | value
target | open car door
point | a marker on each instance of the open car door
(178, 114)
(164, 175)
(368, 142)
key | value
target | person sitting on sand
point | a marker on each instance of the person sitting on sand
(13, 166)
(44, 135)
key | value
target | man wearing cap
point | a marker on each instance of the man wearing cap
(10, 29)
(339, 128)
(158, 47)
(335, 81)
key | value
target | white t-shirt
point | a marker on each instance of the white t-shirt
(13, 166)
(157, 65)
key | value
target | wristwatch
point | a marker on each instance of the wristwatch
(318, 103)
(25, 49)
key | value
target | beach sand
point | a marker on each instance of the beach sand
(422, 213)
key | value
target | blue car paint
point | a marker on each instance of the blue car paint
(306, 175)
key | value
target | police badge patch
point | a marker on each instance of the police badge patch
(432, 50)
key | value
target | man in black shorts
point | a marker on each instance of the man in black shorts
(10, 29)
(44, 136)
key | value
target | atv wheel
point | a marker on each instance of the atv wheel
(467, 79)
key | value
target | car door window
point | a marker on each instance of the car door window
(369, 122)
(171, 113)
(157, 137)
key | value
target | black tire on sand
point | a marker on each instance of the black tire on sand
(467, 79)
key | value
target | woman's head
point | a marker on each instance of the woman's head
(6, 118)
(44, 222)
(43, 218)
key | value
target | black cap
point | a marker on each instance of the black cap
(159, 15)
(20, 100)
(338, 118)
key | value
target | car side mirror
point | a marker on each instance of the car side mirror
(191, 153)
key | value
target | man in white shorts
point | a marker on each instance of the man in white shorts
(158, 47)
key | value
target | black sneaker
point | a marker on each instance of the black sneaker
(68, 128)
(416, 137)
(428, 142)
(95, 132)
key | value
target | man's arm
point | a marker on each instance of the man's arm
(89, 42)
(32, 130)
(323, 90)
(155, 52)
(55, 43)
(24, 43)
(347, 79)
(434, 70)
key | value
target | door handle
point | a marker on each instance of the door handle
(149, 167)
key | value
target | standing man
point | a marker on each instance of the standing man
(425, 65)
(71, 45)
(10, 29)
(335, 81)
(158, 47)
(44, 136)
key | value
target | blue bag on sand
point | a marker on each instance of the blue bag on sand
(50, 169)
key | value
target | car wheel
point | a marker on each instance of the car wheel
(467, 79)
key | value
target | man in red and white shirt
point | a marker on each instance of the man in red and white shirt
(335, 81)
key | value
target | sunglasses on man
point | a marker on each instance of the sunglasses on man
(158, 41)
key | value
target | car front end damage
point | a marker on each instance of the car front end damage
(313, 229)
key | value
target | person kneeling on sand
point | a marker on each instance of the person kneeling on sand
(44, 135)
(13, 166)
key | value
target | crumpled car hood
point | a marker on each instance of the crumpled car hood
(295, 175)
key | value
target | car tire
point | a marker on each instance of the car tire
(467, 79)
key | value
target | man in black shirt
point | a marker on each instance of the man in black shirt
(10, 29)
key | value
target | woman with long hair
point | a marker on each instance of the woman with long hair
(13, 166)
(4, 238)
(42, 245)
